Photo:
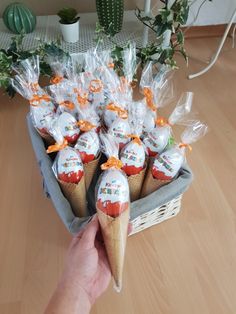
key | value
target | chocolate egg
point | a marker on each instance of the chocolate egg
(113, 192)
(88, 146)
(69, 166)
(167, 164)
(157, 139)
(133, 158)
(68, 127)
(120, 129)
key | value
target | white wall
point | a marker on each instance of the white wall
(214, 12)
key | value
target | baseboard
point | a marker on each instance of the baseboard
(205, 31)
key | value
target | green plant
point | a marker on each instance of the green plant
(110, 15)
(15, 53)
(68, 16)
(167, 22)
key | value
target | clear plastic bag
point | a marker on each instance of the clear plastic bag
(167, 165)
(113, 208)
(133, 155)
(157, 139)
(60, 65)
(63, 94)
(158, 91)
(88, 143)
(26, 84)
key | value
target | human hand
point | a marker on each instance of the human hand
(87, 265)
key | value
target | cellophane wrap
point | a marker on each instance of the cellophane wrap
(157, 87)
(157, 139)
(25, 82)
(113, 207)
(60, 66)
(133, 155)
(88, 144)
(68, 127)
(64, 96)
(69, 171)
(165, 167)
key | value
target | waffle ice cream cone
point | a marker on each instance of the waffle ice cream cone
(135, 185)
(89, 171)
(114, 231)
(76, 195)
(151, 184)
(47, 138)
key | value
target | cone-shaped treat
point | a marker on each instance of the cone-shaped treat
(133, 154)
(26, 84)
(157, 139)
(88, 146)
(166, 166)
(68, 169)
(113, 207)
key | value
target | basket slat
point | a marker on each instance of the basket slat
(156, 215)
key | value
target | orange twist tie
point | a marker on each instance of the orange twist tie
(82, 99)
(122, 113)
(111, 65)
(39, 98)
(185, 145)
(56, 147)
(68, 104)
(56, 79)
(34, 86)
(135, 138)
(149, 98)
(112, 162)
(85, 126)
(95, 86)
(162, 121)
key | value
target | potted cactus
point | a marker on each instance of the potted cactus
(69, 24)
(110, 15)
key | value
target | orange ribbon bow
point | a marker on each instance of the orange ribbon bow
(34, 86)
(39, 98)
(68, 104)
(82, 99)
(56, 79)
(112, 162)
(185, 145)
(95, 86)
(162, 121)
(56, 147)
(136, 138)
(85, 126)
(149, 98)
(111, 65)
(122, 113)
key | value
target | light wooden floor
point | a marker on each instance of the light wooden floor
(185, 265)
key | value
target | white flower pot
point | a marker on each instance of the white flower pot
(70, 32)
